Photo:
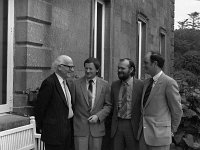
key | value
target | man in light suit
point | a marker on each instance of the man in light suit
(161, 106)
(125, 120)
(91, 106)
(53, 110)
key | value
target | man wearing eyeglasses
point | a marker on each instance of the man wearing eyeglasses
(53, 110)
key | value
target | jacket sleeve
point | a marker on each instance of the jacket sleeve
(174, 103)
(43, 98)
(104, 112)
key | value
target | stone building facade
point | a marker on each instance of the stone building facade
(40, 30)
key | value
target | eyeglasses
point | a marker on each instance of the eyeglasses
(70, 67)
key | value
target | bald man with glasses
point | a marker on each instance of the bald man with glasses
(53, 110)
(70, 67)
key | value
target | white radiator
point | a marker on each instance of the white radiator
(39, 143)
(21, 138)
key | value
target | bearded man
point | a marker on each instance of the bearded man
(126, 96)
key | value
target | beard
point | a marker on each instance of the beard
(123, 76)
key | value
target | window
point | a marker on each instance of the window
(99, 30)
(6, 54)
(162, 43)
(141, 48)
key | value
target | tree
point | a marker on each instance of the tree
(190, 61)
(182, 24)
(186, 40)
(194, 20)
(187, 71)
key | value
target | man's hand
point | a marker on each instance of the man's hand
(93, 119)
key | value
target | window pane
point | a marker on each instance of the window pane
(162, 44)
(3, 49)
(99, 32)
(139, 59)
(141, 49)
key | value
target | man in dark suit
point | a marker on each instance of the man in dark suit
(160, 105)
(92, 105)
(126, 95)
(53, 110)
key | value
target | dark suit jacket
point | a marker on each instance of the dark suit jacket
(162, 112)
(101, 108)
(136, 100)
(51, 111)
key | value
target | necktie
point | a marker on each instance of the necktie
(68, 96)
(90, 89)
(65, 90)
(123, 102)
(124, 90)
(148, 91)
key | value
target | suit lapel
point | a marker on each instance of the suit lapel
(143, 92)
(154, 89)
(134, 89)
(116, 90)
(98, 92)
(84, 90)
(59, 89)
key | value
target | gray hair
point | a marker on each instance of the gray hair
(60, 60)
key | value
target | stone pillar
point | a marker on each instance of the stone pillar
(32, 53)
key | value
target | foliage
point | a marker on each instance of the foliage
(187, 70)
(188, 134)
(193, 22)
(186, 77)
(182, 24)
(32, 95)
(190, 61)
(186, 40)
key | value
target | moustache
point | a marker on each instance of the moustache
(120, 72)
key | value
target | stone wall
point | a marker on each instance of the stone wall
(32, 55)
(45, 29)
(160, 14)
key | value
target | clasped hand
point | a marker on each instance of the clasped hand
(93, 119)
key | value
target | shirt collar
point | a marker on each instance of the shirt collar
(60, 79)
(94, 80)
(155, 78)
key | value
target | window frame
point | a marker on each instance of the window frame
(102, 34)
(10, 62)
(162, 33)
(142, 22)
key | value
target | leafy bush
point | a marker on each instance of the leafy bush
(186, 78)
(186, 40)
(190, 61)
(187, 67)
(188, 134)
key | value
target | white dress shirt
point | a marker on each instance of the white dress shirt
(156, 77)
(93, 90)
(67, 95)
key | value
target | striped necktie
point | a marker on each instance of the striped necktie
(148, 91)
(122, 112)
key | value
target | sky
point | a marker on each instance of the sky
(183, 8)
